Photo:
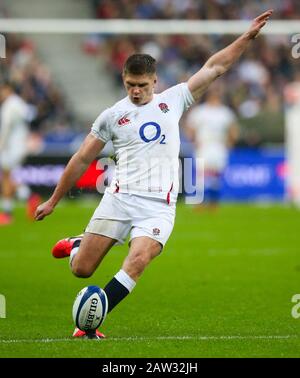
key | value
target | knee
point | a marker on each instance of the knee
(81, 271)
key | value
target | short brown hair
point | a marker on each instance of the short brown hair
(140, 64)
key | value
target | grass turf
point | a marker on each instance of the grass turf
(221, 288)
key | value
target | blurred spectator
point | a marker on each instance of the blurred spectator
(213, 128)
(14, 133)
(253, 87)
(33, 82)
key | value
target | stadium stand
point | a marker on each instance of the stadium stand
(253, 88)
(193, 9)
(52, 122)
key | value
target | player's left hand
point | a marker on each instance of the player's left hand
(258, 23)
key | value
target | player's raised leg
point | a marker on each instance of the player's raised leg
(90, 253)
(86, 253)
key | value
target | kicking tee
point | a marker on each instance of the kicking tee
(146, 142)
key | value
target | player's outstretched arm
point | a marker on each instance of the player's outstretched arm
(78, 164)
(220, 62)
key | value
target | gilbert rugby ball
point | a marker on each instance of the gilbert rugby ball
(90, 308)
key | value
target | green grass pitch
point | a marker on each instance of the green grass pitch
(222, 288)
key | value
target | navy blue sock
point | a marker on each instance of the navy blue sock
(115, 292)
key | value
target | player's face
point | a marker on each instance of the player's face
(140, 88)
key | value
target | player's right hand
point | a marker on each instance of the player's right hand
(43, 210)
(259, 22)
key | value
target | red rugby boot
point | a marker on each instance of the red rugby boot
(64, 247)
(93, 335)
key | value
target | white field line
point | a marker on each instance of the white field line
(157, 338)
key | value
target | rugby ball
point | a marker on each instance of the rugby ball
(90, 308)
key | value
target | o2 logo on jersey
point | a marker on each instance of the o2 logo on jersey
(151, 131)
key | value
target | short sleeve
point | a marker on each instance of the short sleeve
(181, 97)
(187, 96)
(101, 127)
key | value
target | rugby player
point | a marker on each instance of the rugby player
(143, 127)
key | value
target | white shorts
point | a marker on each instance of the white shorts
(12, 157)
(120, 214)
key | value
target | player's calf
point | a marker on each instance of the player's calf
(142, 251)
(85, 260)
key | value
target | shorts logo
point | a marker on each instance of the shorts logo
(164, 107)
(156, 231)
(123, 121)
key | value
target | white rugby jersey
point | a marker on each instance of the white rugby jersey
(212, 124)
(146, 142)
(13, 122)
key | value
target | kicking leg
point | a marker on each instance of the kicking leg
(141, 252)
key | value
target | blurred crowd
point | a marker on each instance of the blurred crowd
(33, 81)
(50, 118)
(253, 88)
(193, 9)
